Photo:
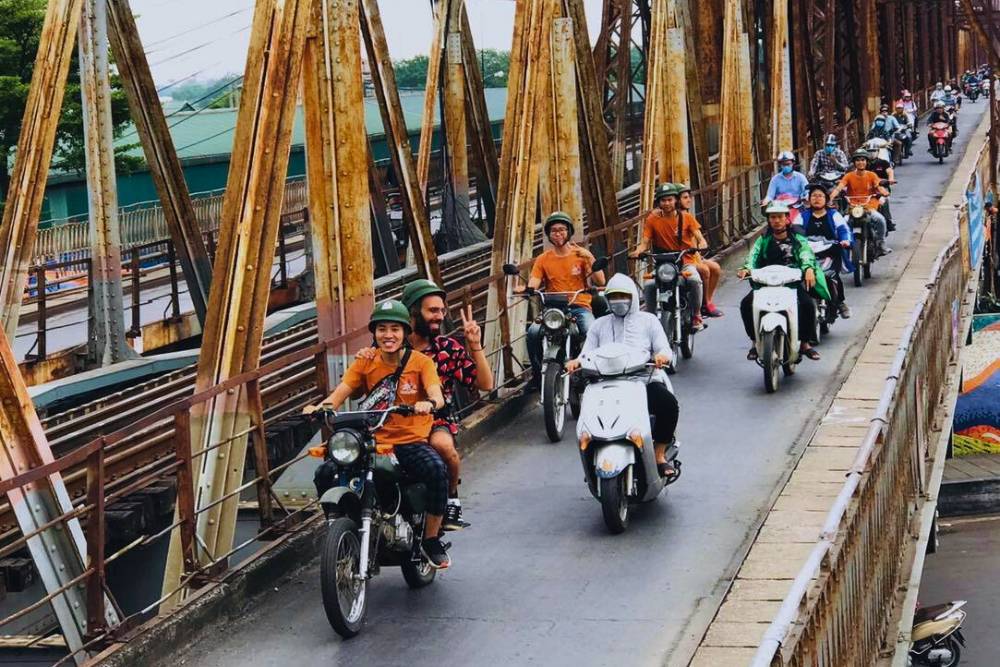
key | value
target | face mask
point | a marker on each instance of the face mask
(829, 149)
(879, 124)
(786, 169)
(619, 308)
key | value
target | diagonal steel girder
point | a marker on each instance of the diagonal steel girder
(251, 213)
(19, 225)
(336, 162)
(158, 147)
(59, 552)
(106, 341)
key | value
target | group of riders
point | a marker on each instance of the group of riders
(410, 342)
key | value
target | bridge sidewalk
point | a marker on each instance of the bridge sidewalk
(791, 528)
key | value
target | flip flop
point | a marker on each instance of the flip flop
(752, 354)
(811, 353)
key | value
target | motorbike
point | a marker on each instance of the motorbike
(972, 91)
(937, 635)
(794, 205)
(776, 322)
(829, 179)
(562, 341)
(863, 250)
(826, 311)
(615, 432)
(901, 139)
(984, 88)
(671, 304)
(882, 149)
(941, 134)
(374, 516)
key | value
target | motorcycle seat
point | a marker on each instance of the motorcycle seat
(927, 613)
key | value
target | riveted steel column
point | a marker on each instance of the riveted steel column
(384, 78)
(484, 147)
(59, 552)
(781, 81)
(251, 214)
(338, 176)
(459, 221)
(158, 146)
(34, 155)
(106, 343)
(439, 9)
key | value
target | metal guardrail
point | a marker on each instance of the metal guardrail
(840, 602)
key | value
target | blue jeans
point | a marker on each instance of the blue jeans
(584, 318)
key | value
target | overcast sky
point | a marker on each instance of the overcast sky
(208, 38)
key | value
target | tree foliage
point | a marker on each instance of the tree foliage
(412, 72)
(20, 27)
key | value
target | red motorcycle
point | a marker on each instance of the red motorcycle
(941, 140)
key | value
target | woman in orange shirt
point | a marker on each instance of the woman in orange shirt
(418, 386)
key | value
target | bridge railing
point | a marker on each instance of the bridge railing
(840, 603)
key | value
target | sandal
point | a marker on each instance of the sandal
(752, 354)
(811, 353)
(666, 470)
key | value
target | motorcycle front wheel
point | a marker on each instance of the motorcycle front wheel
(687, 344)
(856, 260)
(669, 328)
(345, 598)
(771, 359)
(554, 402)
(418, 573)
(614, 503)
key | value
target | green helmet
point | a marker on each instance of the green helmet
(417, 290)
(390, 310)
(559, 217)
(681, 188)
(665, 190)
(860, 153)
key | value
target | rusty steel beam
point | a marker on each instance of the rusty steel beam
(613, 69)
(158, 147)
(59, 551)
(439, 8)
(457, 217)
(780, 80)
(484, 147)
(383, 241)
(384, 78)
(34, 155)
(700, 172)
(736, 137)
(251, 212)
(106, 340)
(337, 164)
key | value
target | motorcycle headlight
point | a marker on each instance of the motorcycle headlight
(554, 319)
(345, 447)
(858, 212)
(666, 273)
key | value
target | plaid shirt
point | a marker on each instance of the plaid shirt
(823, 162)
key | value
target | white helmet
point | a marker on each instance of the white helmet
(777, 207)
(786, 156)
(947, 89)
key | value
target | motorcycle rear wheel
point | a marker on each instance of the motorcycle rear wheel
(418, 574)
(771, 359)
(553, 402)
(614, 503)
(345, 598)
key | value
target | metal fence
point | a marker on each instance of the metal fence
(840, 605)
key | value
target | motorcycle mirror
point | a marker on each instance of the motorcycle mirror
(599, 265)
(511, 270)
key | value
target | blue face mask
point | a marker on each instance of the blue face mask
(829, 149)
(879, 123)
(786, 169)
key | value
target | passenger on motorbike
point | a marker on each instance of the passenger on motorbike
(666, 229)
(938, 115)
(909, 105)
(831, 158)
(406, 436)
(821, 219)
(457, 364)
(938, 93)
(562, 268)
(779, 244)
(882, 128)
(709, 270)
(903, 119)
(787, 181)
(628, 325)
(861, 182)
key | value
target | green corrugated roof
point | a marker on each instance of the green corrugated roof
(210, 132)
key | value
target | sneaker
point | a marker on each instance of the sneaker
(453, 516)
(890, 226)
(709, 310)
(696, 323)
(845, 311)
(434, 552)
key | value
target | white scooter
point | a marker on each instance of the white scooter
(615, 433)
(776, 321)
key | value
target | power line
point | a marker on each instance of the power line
(188, 31)
(208, 138)
(191, 50)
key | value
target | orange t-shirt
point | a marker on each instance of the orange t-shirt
(865, 183)
(565, 273)
(660, 231)
(419, 374)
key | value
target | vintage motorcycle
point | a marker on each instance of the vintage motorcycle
(672, 308)
(374, 515)
(863, 251)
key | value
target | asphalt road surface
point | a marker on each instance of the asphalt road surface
(537, 580)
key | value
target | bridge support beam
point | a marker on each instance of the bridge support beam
(34, 155)
(780, 81)
(231, 343)
(107, 343)
(158, 146)
(338, 178)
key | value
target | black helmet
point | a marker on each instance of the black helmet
(559, 217)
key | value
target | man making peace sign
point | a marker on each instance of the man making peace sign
(457, 364)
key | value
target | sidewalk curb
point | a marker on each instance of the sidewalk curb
(969, 496)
